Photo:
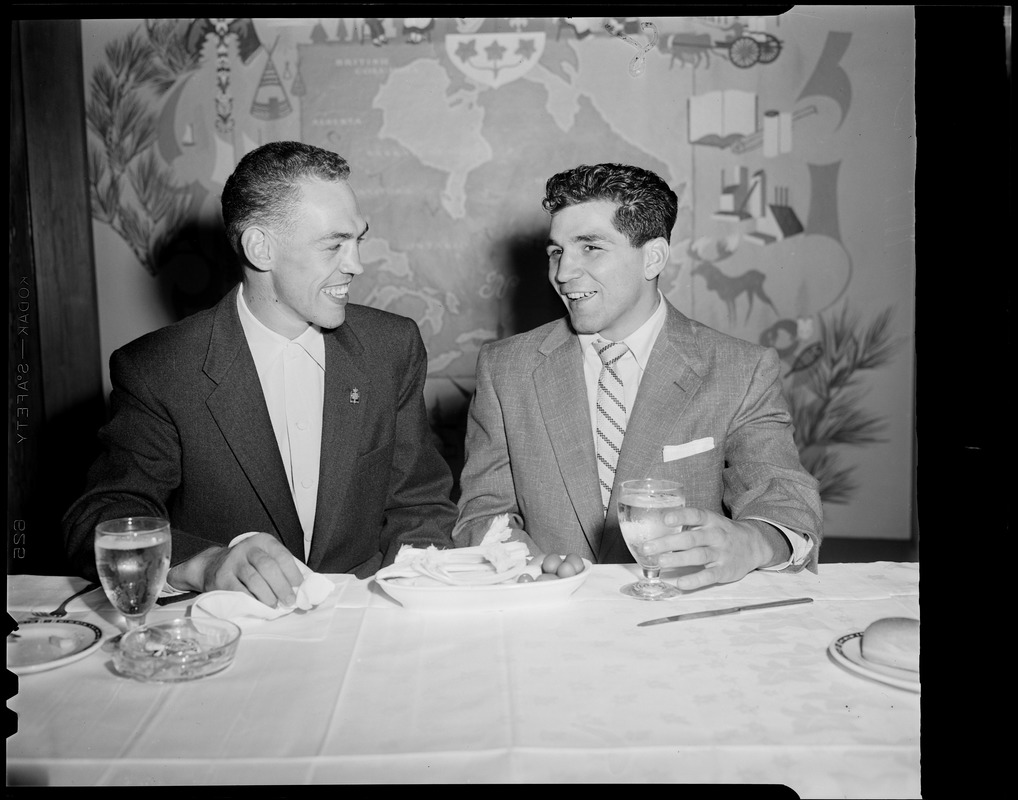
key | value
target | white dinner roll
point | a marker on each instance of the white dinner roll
(892, 641)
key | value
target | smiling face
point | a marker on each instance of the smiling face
(302, 274)
(608, 286)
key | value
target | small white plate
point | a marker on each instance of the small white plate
(847, 651)
(493, 597)
(41, 644)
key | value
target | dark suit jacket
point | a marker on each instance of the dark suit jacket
(190, 438)
(530, 451)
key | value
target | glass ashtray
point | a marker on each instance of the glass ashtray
(179, 650)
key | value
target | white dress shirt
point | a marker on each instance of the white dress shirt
(631, 368)
(292, 375)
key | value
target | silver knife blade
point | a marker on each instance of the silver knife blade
(717, 612)
(176, 598)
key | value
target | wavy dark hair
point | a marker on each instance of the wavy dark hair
(647, 206)
(265, 186)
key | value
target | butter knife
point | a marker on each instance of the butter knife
(176, 598)
(717, 612)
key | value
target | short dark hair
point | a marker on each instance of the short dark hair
(647, 206)
(266, 184)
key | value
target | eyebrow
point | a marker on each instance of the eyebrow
(345, 236)
(583, 237)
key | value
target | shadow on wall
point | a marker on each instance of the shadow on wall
(530, 301)
(196, 268)
(525, 301)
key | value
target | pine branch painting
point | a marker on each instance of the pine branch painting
(130, 190)
(825, 396)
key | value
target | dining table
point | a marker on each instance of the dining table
(365, 690)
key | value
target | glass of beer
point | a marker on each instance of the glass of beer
(644, 508)
(132, 556)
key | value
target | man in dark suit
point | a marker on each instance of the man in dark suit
(553, 429)
(284, 410)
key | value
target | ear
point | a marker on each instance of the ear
(257, 244)
(656, 253)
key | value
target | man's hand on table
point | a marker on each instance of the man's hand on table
(729, 550)
(259, 565)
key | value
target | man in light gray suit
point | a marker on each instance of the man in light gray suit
(697, 406)
(285, 411)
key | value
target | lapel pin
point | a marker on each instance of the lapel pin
(355, 396)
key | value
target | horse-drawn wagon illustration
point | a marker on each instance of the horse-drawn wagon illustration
(742, 49)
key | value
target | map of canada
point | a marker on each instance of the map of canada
(450, 170)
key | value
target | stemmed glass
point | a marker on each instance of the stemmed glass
(132, 556)
(644, 506)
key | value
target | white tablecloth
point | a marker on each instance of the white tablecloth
(571, 692)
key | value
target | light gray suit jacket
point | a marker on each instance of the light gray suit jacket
(530, 450)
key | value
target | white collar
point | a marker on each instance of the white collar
(641, 341)
(262, 338)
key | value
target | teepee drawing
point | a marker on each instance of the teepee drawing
(270, 100)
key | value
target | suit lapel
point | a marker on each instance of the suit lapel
(673, 375)
(348, 396)
(671, 379)
(562, 395)
(238, 407)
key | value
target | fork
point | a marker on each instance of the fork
(59, 610)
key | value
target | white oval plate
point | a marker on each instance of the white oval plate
(495, 597)
(41, 644)
(847, 651)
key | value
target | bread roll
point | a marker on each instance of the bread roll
(892, 641)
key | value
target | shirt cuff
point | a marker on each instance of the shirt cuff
(800, 543)
(238, 539)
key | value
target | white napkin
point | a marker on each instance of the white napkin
(249, 613)
(494, 560)
(233, 605)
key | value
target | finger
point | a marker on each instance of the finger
(227, 582)
(693, 557)
(273, 573)
(693, 517)
(283, 559)
(235, 573)
(675, 542)
(293, 576)
(689, 518)
(697, 580)
(256, 585)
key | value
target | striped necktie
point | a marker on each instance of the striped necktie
(611, 415)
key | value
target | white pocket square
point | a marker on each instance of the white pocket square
(673, 452)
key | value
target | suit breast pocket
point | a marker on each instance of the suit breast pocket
(700, 472)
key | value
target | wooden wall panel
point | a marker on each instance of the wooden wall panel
(24, 366)
(52, 275)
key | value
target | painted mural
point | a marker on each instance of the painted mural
(789, 140)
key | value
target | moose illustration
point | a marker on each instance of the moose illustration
(728, 288)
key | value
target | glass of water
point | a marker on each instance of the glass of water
(132, 556)
(644, 508)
